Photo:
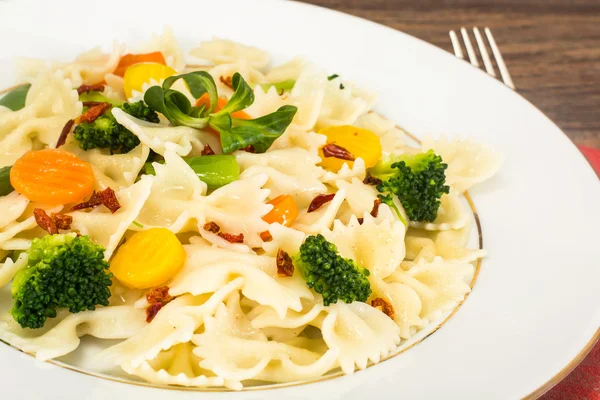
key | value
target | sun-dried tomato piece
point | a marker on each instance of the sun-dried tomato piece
(227, 81)
(94, 112)
(333, 150)
(207, 151)
(107, 197)
(152, 310)
(318, 201)
(211, 227)
(99, 87)
(62, 222)
(231, 238)
(386, 307)
(159, 294)
(266, 236)
(89, 104)
(64, 133)
(285, 267)
(375, 210)
(371, 180)
(249, 149)
(44, 221)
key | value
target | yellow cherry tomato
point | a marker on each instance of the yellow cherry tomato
(359, 142)
(148, 259)
(138, 74)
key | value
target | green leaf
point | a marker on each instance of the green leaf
(332, 77)
(175, 106)
(285, 86)
(199, 82)
(260, 132)
(15, 99)
(243, 96)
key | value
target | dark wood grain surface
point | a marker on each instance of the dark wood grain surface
(551, 47)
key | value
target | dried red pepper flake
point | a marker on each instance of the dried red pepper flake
(285, 267)
(371, 180)
(152, 311)
(211, 227)
(99, 87)
(333, 150)
(159, 295)
(107, 197)
(94, 112)
(207, 151)
(231, 238)
(386, 307)
(318, 201)
(62, 139)
(360, 220)
(44, 221)
(62, 222)
(227, 81)
(375, 210)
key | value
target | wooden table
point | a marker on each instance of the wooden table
(551, 47)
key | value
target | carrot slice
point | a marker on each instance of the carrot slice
(128, 60)
(284, 212)
(204, 100)
(52, 176)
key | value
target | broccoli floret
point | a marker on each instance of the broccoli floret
(418, 181)
(329, 274)
(106, 133)
(63, 271)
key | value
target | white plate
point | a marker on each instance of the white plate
(535, 308)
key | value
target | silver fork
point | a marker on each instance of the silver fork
(485, 56)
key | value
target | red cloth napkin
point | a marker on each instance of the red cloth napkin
(584, 382)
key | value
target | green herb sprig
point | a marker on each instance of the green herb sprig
(236, 134)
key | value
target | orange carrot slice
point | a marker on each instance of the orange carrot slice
(284, 212)
(52, 176)
(128, 60)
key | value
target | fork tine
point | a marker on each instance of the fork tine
(456, 45)
(469, 47)
(484, 53)
(499, 60)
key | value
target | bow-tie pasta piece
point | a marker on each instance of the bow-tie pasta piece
(375, 245)
(116, 171)
(291, 171)
(360, 333)
(119, 322)
(346, 173)
(343, 103)
(393, 140)
(318, 220)
(88, 68)
(469, 163)
(168, 46)
(179, 366)
(237, 208)
(440, 285)
(174, 199)
(451, 215)
(222, 51)
(107, 229)
(307, 95)
(50, 103)
(290, 70)
(182, 140)
(266, 101)
(174, 324)
(295, 136)
(10, 267)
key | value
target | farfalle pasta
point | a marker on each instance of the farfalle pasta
(219, 245)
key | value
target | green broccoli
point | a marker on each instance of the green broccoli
(418, 181)
(63, 271)
(106, 132)
(329, 274)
